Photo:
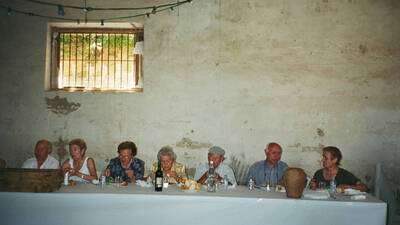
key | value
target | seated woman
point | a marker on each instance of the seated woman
(171, 169)
(331, 157)
(80, 168)
(126, 165)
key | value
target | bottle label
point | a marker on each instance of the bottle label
(159, 181)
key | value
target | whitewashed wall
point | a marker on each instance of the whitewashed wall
(237, 74)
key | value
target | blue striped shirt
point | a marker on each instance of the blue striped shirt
(262, 174)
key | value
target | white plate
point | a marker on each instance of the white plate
(351, 192)
(316, 194)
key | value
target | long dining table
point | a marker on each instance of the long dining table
(134, 204)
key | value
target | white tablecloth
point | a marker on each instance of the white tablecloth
(88, 204)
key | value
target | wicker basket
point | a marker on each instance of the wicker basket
(30, 180)
(294, 180)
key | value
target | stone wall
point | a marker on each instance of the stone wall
(237, 74)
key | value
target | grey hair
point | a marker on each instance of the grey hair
(166, 150)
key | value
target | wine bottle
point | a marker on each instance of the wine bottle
(211, 182)
(158, 184)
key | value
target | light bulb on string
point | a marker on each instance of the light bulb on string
(60, 10)
(87, 9)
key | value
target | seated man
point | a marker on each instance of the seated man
(216, 155)
(126, 165)
(271, 170)
(42, 159)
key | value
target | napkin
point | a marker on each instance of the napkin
(351, 191)
(142, 183)
(358, 197)
(316, 194)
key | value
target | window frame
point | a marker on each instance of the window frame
(52, 54)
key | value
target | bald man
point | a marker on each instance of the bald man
(42, 159)
(269, 171)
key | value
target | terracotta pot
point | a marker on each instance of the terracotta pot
(294, 180)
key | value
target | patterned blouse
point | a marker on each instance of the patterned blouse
(176, 167)
(116, 169)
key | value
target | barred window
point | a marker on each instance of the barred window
(96, 59)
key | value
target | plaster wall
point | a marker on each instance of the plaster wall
(237, 74)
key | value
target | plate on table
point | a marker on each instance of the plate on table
(322, 194)
(350, 192)
(189, 190)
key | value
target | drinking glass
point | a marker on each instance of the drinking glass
(117, 181)
(321, 185)
(165, 181)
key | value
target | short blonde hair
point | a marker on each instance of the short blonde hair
(80, 143)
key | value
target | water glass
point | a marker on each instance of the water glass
(165, 182)
(118, 181)
(321, 185)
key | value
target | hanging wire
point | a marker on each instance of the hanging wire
(102, 8)
(11, 10)
(147, 14)
(154, 10)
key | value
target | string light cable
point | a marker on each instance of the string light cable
(60, 10)
(101, 8)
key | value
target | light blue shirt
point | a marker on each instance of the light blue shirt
(222, 170)
(262, 174)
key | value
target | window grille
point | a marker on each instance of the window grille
(96, 59)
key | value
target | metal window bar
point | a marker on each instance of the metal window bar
(120, 62)
(127, 61)
(73, 53)
(95, 61)
(63, 59)
(76, 58)
(82, 57)
(101, 60)
(88, 62)
(108, 60)
(69, 60)
(115, 56)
